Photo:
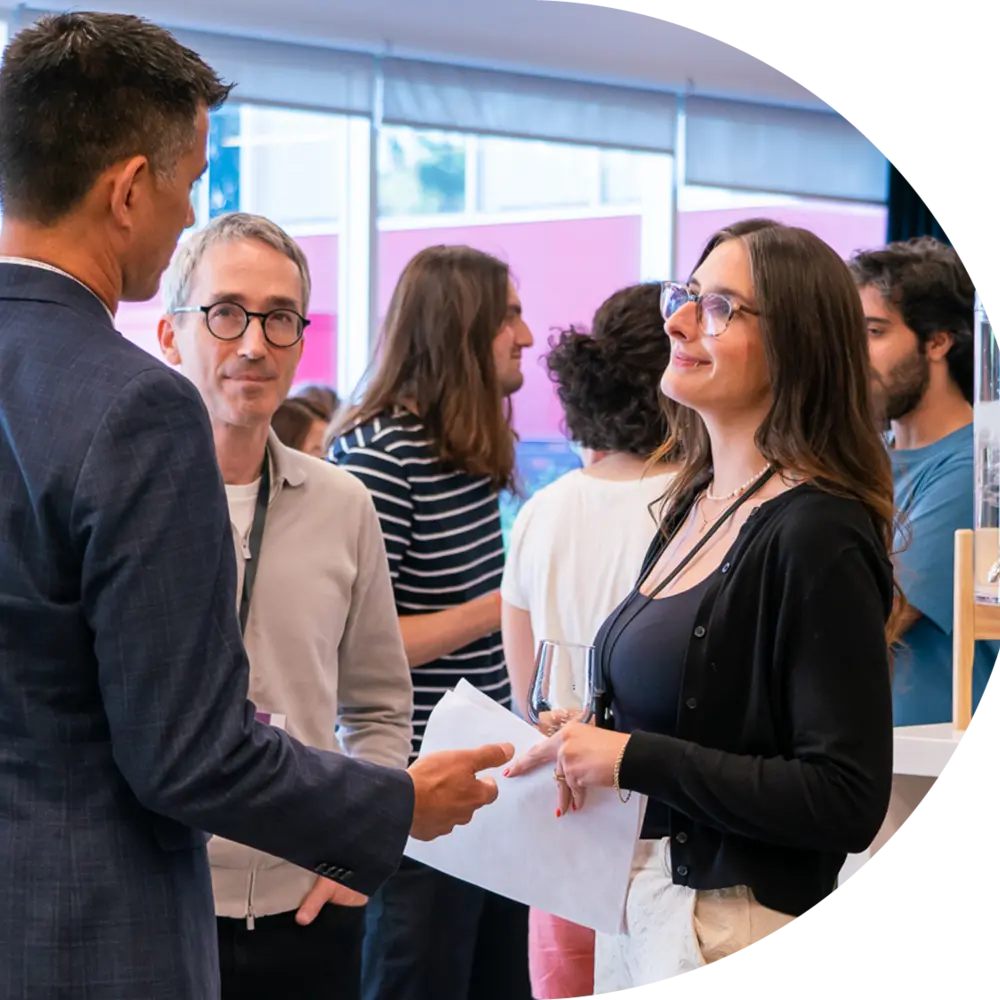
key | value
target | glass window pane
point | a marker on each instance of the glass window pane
(518, 175)
(575, 224)
(290, 167)
(846, 226)
(421, 173)
(621, 176)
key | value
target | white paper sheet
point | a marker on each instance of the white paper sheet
(576, 867)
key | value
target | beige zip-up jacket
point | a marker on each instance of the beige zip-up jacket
(324, 647)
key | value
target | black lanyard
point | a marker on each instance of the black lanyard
(256, 535)
(605, 694)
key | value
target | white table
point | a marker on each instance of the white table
(919, 755)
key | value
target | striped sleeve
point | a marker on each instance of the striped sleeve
(385, 477)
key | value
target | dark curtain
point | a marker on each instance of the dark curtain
(908, 215)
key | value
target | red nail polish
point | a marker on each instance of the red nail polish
(506, 772)
(574, 807)
(558, 813)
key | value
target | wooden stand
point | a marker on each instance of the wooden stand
(974, 620)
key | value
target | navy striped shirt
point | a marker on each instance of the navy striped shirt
(445, 547)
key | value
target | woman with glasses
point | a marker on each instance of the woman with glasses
(556, 588)
(746, 677)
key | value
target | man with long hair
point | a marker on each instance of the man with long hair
(432, 440)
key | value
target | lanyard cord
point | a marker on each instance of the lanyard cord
(605, 694)
(256, 535)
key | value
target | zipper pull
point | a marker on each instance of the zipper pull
(249, 920)
(247, 554)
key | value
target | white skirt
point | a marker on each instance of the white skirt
(671, 929)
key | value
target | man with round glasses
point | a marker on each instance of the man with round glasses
(314, 597)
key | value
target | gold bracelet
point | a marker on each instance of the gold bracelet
(617, 773)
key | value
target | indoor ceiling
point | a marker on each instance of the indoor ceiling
(559, 39)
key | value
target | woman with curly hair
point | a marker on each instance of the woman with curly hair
(566, 570)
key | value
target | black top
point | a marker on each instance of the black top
(781, 760)
(644, 648)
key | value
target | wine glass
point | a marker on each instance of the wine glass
(562, 688)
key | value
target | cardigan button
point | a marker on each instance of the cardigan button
(699, 632)
(725, 568)
(692, 703)
(681, 838)
(682, 870)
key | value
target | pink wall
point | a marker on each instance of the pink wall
(138, 320)
(319, 355)
(564, 271)
(845, 227)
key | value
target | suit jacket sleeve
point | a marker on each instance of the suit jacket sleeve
(158, 588)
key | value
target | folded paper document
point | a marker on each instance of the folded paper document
(576, 866)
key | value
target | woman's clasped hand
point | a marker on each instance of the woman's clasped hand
(582, 757)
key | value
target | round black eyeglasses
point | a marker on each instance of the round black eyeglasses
(229, 321)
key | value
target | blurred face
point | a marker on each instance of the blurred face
(313, 444)
(726, 374)
(513, 337)
(161, 210)
(242, 381)
(901, 369)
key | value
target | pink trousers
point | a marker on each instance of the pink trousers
(560, 957)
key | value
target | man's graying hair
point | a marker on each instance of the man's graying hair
(230, 228)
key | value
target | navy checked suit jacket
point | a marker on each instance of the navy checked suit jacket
(125, 728)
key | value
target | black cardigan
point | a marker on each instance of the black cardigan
(782, 763)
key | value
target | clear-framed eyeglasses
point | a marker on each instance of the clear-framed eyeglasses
(715, 311)
(229, 321)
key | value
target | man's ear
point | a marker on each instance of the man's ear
(128, 179)
(167, 336)
(937, 345)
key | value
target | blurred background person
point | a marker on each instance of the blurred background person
(577, 544)
(299, 426)
(918, 301)
(323, 400)
(432, 440)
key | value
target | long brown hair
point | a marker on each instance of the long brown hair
(435, 356)
(821, 422)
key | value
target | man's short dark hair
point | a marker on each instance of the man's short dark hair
(926, 282)
(81, 92)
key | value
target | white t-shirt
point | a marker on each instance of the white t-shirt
(576, 549)
(242, 503)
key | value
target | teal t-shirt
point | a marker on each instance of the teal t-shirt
(934, 489)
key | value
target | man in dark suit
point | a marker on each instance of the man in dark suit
(124, 723)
